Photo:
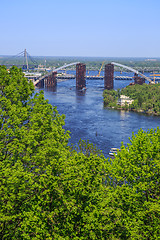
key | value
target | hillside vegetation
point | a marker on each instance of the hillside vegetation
(146, 98)
(49, 190)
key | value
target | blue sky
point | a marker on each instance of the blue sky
(99, 28)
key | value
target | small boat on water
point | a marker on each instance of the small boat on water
(83, 89)
(113, 151)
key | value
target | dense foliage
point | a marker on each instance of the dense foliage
(146, 98)
(136, 179)
(46, 190)
(49, 190)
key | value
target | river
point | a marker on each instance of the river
(87, 119)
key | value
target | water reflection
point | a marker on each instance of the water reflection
(51, 89)
(81, 92)
(123, 114)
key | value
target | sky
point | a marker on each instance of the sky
(93, 28)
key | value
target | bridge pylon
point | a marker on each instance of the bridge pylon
(40, 84)
(138, 80)
(109, 76)
(25, 65)
(80, 76)
(51, 80)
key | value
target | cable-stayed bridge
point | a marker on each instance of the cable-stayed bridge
(22, 59)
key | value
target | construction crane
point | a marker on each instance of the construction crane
(154, 76)
(100, 69)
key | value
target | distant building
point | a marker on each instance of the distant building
(151, 60)
(124, 99)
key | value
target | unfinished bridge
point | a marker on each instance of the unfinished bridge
(50, 79)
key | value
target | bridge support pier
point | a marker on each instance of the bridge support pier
(51, 80)
(138, 80)
(80, 76)
(109, 76)
(40, 84)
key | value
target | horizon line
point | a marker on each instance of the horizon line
(9, 55)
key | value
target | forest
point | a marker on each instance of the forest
(146, 98)
(50, 190)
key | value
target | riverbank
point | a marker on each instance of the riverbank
(149, 113)
(145, 99)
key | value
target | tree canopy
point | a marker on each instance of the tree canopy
(135, 177)
(49, 190)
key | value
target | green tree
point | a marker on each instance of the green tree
(140, 100)
(31, 135)
(47, 190)
(126, 106)
(135, 178)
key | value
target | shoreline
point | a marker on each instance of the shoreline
(134, 110)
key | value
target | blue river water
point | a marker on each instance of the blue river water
(87, 119)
